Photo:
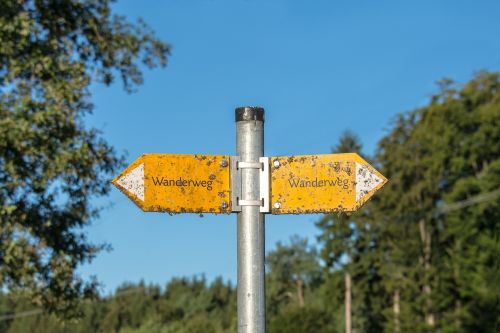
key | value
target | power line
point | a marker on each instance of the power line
(20, 314)
(34, 312)
(471, 201)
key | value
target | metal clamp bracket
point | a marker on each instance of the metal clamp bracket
(236, 196)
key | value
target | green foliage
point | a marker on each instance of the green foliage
(298, 319)
(51, 164)
(293, 271)
(186, 305)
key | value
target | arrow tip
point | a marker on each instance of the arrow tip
(132, 182)
(367, 181)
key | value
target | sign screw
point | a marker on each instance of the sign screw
(277, 205)
(223, 205)
(276, 164)
(223, 163)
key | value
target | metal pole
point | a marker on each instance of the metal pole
(251, 288)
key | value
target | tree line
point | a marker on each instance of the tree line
(422, 256)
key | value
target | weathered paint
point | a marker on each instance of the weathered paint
(321, 183)
(178, 183)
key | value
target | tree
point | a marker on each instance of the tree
(339, 232)
(51, 164)
(292, 269)
(424, 251)
(442, 261)
(347, 247)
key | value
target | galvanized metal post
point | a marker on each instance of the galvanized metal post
(251, 278)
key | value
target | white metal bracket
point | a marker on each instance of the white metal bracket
(236, 196)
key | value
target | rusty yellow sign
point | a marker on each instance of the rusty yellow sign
(321, 183)
(178, 183)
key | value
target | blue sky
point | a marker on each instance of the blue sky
(317, 67)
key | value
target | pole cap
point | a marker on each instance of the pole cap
(249, 113)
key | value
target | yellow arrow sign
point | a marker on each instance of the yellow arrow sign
(321, 183)
(178, 183)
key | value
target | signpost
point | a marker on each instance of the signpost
(250, 185)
